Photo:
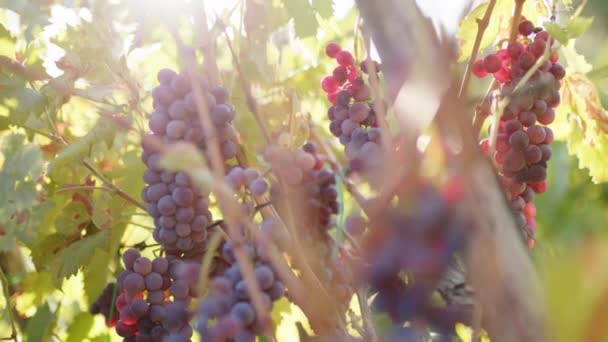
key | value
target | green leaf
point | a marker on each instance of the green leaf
(103, 132)
(581, 120)
(38, 327)
(76, 255)
(80, 327)
(72, 219)
(18, 174)
(303, 15)
(572, 29)
(96, 274)
(468, 29)
(323, 7)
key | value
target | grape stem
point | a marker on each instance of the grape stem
(9, 310)
(482, 24)
(113, 186)
(519, 5)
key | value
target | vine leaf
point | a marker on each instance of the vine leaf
(103, 131)
(323, 7)
(80, 327)
(573, 28)
(304, 19)
(73, 257)
(39, 326)
(95, 274)
(581, 120)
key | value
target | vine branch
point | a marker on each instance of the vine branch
(9, 310)
(481, 29)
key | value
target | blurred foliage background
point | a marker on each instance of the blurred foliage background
(103, 57)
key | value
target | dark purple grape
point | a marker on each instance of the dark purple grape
(221, 114)
(540, 107)
(156, 296)
(258, 187)
(164, 95)
(156, 191)
(158, 313)
(179, 289)
(184, 244)
(165, 76)
(168, 222)
(129, 257)
(168, 237)
(178, 110)
(547, 117)
(158, 122)
(181, 84)
(154, 281)
(183, 230)
(139, 308)
(133, 283)
(176, 129)
(537, 173)
(244, 312)
(359, 112)
(221, 94)
(264, 276)
(166, 205)
(546, 151)
(142, 266)
(514, 161)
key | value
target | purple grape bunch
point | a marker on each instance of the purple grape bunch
(180, 209)
(228, 314)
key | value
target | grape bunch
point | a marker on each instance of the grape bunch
(524, 138)
(103, 305)
(407, 254)
(352, 115)
(228, 314)
(151, 303)
(310, 187)
(180, 209)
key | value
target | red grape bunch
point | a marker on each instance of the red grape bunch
(524, 138)
(352, 115)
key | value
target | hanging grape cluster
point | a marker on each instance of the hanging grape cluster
(524, 138)
(352, 116)
(228, 314)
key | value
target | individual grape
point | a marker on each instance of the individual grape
(536, 134)
(329, 84)
(305, 160)
(558, 71)
(164, 95)
(492, 63)
(343, 98)
(228, 149)
(258, 187)
(244, 312)
(183, 196)
(546, 150)
(142, 266)
(139, 308)
(519, 140)
(479, 69)
(537, 173)
(166, 205)
(124, 330)
(184, 244)
(533, 154)
(129, 257)
(515, 49)
(332, 50)
(540, 107)
(340, 74)
(183, 230)
(514, 161)
(526, 28)
(264, 276)
(359, 112)
(153, 281)
(527, 118)
(157, 122)
(526, 60)
(344, 58)
(176, 129)
(133, 283)
(547, 117)
(178, 110)
(165, 76)
(221, 94)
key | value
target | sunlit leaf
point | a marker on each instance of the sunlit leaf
(305, 22)
(80, 327)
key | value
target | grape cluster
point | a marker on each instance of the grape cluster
(152, 301)
(310, 187)
(408, 254)
(103, 305)
(180, 209)
(245, 182)
(352, 115)
(524, 138)
(227, 314)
